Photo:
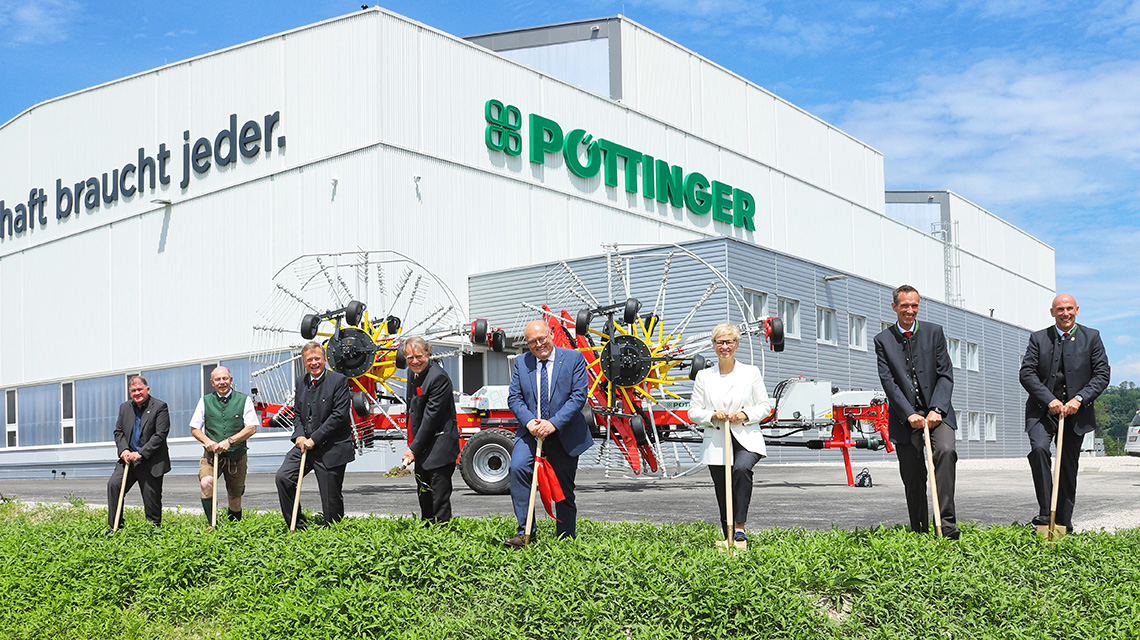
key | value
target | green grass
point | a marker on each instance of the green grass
(391, 578)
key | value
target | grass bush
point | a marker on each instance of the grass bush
(391, 578)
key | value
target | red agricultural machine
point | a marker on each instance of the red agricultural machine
(639, 368)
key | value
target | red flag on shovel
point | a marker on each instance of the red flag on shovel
(548, 487)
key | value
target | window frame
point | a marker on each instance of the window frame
(826, 331)
(954, 349)
(973, 355)
(66, 423)
(792, 322)
(857, 339)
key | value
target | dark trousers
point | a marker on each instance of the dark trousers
(434, 489)
(1040, 437)
(565, 469)
(330, 481)
(912, 467)
(149, 486)
(742, 462)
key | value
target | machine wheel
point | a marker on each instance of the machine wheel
(632, 306)
(401, 359)
(361, 405)
(699, 363)
(309, 325)
(498, 340)
(393, 325)
(637, 426)
(582, 322)
(776, 333)
(354, 312)
(485, 462)
(479, 331)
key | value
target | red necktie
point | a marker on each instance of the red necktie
(908, 333)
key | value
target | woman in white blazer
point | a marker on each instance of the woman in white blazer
(732, 393)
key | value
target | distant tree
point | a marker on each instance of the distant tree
(1115, 409)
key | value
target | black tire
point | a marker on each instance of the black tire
(582, 322)
(361, 405)
(498, 340)
(632, 306)
(485, 461)
(309, 326)
(479, 331)
(650, 321)
(393, 325)
(699, 363)
(401, 359)
(354, 313)
(637, 426)
(776, 333)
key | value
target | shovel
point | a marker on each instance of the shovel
(296, 498)
(1051, 532)
(214, 503)
(533, 491)
(729, 544)
(933, 479)
(123, 491)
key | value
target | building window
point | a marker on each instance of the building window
(789, 311)
(973, 419)
(825, 325)
(10, 416)
(954, 346)
(991, 427)
(857, 330)
(972, 356)
(757, 302)
(67, 411)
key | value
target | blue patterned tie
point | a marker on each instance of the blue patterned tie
(544, 392)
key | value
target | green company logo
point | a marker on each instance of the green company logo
(586, 156)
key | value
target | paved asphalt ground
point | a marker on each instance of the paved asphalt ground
(813, 496)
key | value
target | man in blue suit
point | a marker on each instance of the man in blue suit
(548, 391)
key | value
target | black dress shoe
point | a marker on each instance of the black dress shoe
(1041, 521)
(517, 542)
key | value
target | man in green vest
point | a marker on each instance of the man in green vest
(222, 422)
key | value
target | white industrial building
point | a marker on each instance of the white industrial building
(142, 221)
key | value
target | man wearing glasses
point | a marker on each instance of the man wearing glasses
(548, 390)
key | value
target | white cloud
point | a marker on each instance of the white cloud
(37, 21)
(1009, 131)
(1128, 369)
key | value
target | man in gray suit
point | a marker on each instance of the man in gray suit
(140, 439)
(1064, 369)
(918, 378)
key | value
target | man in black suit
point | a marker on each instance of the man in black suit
(322, 426)
(1064, 369)
(140, 437)
(918, 378)
(434, 442)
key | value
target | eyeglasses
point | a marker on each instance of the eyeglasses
(538, 341)
(725, 343)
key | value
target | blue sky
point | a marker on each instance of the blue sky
(1028, 109)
